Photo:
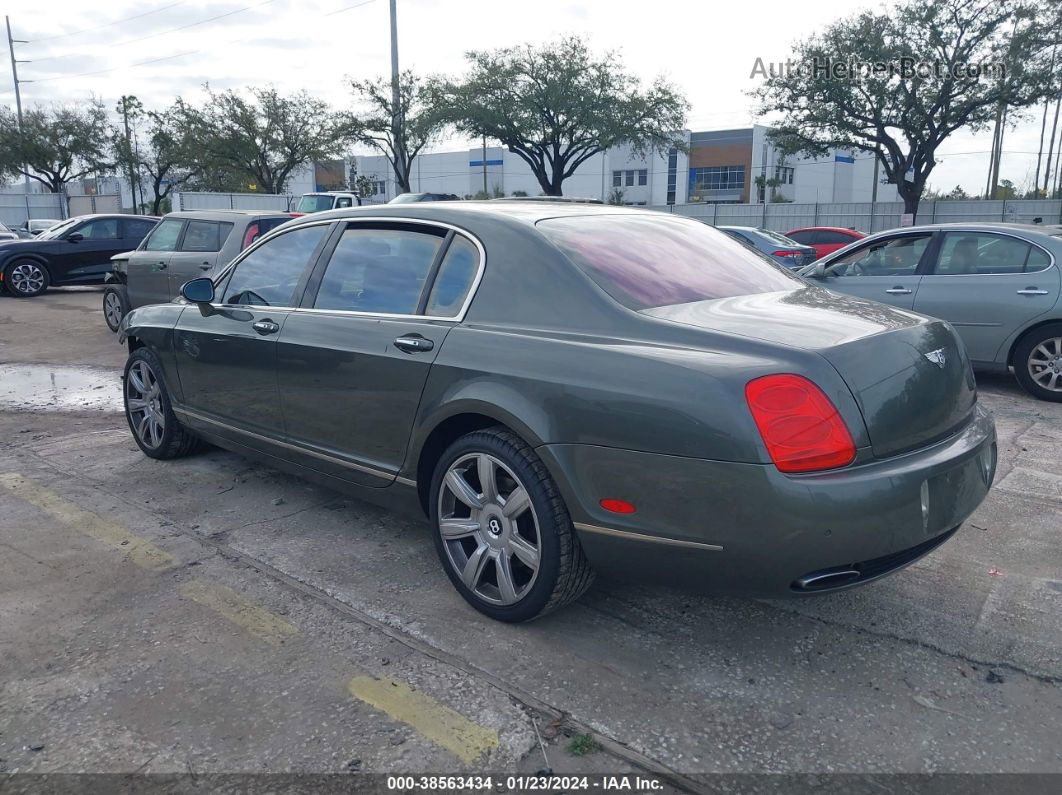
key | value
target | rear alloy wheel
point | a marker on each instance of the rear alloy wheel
(502, 531)
(115, 307)
(1038, 363)
(149, 413)
(26, 278)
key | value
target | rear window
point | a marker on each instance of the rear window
(645, 261)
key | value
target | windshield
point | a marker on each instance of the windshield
(314, 204)
(59, 229)
(646, 261)
(405, 198)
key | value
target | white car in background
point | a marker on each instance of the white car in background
(7, 234)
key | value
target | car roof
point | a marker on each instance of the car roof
(225, 215)
(741, 228)
(981, 226)
(528, 213)
(825, 229)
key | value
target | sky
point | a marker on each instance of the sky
(161, 50)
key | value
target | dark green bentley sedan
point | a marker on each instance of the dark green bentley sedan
(567, 389)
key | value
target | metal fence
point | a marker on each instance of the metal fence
(869, 216)
(17, 208)
(192, 200)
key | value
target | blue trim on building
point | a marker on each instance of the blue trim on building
(489, 163)
(843, 159)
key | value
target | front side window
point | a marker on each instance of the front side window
(646, 261)
(984, 253)
(804, 237)
(270, 274)
(893, 256)
(378, 270)
(205, 236)
(165, 236)
(101, 229)
(829, 237)
(454, 279)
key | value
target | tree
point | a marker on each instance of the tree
(55, 145)
(400, 136)
(896, 84)
(261, 136)
(558, 105)
(168, 156)
(126, 155)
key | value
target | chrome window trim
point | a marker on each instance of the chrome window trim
(460, 316)
(1001, 233)
(631, 536)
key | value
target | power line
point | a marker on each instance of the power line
(106, 25)
(159, 33)
(348, 8)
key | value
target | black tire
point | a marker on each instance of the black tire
(563, 573)
(1047, 359)
(26, 289)
(115, 300)
(174, 440)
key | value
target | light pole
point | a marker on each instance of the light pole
(397, 123)
(14, 75)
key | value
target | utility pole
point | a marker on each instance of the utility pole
(11, 42)
(397, 123)
(485, 194)
(129, 150)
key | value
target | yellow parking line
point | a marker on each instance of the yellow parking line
(139, 550)
(466, 740)
(257, 620)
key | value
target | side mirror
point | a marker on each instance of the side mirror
(198, 291)
(75, 237)
(818, 272)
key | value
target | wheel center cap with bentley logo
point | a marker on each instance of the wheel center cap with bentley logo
(938, 357)
(494, 526)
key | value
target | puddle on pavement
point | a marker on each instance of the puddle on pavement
(45, 387)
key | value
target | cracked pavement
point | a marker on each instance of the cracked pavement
(954, 664)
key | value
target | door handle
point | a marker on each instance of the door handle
(898, 291)
(265, 327)
(162, 266)
(205, 266)
(414, 343)
(1032, 291)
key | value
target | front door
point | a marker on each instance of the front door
(89, 259)
(353, 362)
(988, 285)
(886, 269)
(147, 279)
(226, 351)
(197, 253)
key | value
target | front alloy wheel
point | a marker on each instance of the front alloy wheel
(25, 279)
(502, 530)
(148, 411)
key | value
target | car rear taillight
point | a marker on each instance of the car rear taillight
(786, 254)
(250, 235)
(800, 426)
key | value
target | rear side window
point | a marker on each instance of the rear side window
(270, 274)
(165, 236)
(829, 237)
(378, 270)
(454, 279)
(805, 237)
(972, 253)
(205, 236)
(136, 230)
(645, 261)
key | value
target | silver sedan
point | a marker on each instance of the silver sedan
(997, 284)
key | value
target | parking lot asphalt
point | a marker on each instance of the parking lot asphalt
(212, 614)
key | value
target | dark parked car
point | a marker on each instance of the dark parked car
(565, 388)
(77, 251)
(781, 249)
(185, 245)
(825, 239)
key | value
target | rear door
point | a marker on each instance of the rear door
(146, 273)
(226, 352)
(353, 361)
(197, 253)
(988, 285)
(886, 269)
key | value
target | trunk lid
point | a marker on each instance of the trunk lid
(909, 374)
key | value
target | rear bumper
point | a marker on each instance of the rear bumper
(747, 528)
